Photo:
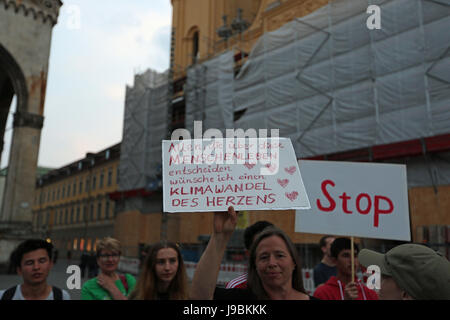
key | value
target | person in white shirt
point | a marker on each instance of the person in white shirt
(32, 260)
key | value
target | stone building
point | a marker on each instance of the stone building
(25, 37)
(72, 208)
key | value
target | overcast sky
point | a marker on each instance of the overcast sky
(97, 47)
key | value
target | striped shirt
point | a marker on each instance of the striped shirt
(239, 282)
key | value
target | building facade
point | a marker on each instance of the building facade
(72, 208)
(202, 30)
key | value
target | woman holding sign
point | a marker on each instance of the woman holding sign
(274, 269)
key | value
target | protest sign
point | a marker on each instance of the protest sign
(355, 199)
(248, 174)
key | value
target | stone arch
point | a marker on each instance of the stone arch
(192, 39)
(12, 69)
(12, 82)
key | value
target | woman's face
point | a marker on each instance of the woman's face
(108, 260)
(274, 263)
(166, 264)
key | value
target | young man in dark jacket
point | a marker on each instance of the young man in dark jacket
(326, 268)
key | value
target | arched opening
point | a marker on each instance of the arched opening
(13, 91)
(192, 45)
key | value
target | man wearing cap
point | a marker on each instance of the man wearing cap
(410, 271)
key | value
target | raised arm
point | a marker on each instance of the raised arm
(205, 276)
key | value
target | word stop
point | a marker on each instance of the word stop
(363, 203)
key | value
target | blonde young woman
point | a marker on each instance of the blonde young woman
(109, 284)
(163, 276)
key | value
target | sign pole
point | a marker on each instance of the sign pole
(353, 258)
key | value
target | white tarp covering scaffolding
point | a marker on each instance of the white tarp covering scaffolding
(209, 93)
(145, 126)
(332, 85)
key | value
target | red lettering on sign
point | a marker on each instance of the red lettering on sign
(344, 198)
(362, 207)
(379, 211)
(327, 195)
(358, 203)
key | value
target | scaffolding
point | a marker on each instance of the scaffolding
(145, 126)
(332, 85)
(209, 93)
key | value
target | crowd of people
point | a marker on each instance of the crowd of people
(408, 271)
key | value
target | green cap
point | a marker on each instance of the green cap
(422, 272)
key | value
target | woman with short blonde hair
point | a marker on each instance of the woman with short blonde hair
(109, 285)
(108, 243)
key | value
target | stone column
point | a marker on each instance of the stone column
(21, 177)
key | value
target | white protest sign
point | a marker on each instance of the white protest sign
(355, 199)
(248, 174)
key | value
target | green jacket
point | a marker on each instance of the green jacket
(91, 290)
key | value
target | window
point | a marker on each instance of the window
(78, 214)
(72, 216)
(34, 220)
(87, 185)
(109, 177)
(66, 217)
(95, 244)
(102, 174)
(53, 195)
(194, 47)
(48, 196)
(85, 216)
(99, 211)
(74, 188)
(91, 213)
(80, 188)
(61, 216)
(81, 244)
(94, 181)
(68, 190)
(57, 194)
(117, 175)
(107, 154)
(75, 242)
(39, 220)
(63, 194)
(107, 209)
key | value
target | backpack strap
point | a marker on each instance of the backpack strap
(9, 294)
(124, 282)
(57, 293)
